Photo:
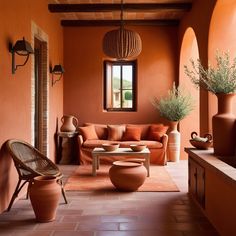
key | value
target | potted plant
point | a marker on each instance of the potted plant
(221, 81)
(176, 105)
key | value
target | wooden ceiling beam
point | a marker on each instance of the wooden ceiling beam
(77, 23)
(102, 7)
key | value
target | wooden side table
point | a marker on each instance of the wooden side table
(67, 147)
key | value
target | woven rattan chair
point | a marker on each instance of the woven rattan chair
(29, 163)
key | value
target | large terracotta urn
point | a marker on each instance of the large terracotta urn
(69, 123)
(173, 147)
(127, 176)
(44, 192)
(223, 126)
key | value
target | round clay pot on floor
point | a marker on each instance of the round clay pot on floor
(44, 195)
(127, 176)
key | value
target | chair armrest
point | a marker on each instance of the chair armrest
(80, 140)
(164, 141)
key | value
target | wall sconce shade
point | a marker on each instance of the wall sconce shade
(57, 70)
(21, 48)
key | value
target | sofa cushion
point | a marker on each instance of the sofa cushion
(144, 129)
(148, 143)
(132, 134)
(100, 129)
(115, 132)
(88, 132)
(157, 131)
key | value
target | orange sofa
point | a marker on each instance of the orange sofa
(94, 135)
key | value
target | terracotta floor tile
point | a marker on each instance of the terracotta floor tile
(73, 233)
(32, 233)
(115, 213)
(97, 226)
(56, 226)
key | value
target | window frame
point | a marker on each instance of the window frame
(133, 63)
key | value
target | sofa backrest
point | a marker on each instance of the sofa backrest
(102, 131)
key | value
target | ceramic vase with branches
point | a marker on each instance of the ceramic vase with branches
(221, 81)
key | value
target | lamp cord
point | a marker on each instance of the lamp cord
(122, 13)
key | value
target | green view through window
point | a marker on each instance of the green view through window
(120, 86)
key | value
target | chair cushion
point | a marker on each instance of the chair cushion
(93, 143)
(88, 132)
(115, 132)
(132, 134)
(157, 131)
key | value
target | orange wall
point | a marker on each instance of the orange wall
(199, 19)
(222, 37)
(83, 79)
(15, 90)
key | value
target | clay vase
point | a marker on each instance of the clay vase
(44, 192)
(223, 126)
(69, 124)
(173, 147)
(127, 176)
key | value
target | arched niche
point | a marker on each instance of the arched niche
(189, 50)
(222, 37)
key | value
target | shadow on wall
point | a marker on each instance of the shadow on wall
(5, 170)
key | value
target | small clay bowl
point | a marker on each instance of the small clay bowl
(109, 147)
(201, 145)
(137, 147)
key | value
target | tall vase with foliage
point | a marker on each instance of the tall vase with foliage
(175, 106)
(221, 81)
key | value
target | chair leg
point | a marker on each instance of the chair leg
(63, 191)
(15, 194)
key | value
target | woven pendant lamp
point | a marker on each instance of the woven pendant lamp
(122, 44)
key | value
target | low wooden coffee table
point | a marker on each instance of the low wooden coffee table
(120, 152)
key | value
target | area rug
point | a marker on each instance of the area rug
(82, 180)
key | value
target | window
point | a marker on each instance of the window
(120, 86)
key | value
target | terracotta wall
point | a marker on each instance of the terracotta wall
(15, 90)
(83, 79)
(222, 37)
(189, 49)
(200, 26)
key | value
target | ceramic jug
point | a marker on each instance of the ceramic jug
(69, 123)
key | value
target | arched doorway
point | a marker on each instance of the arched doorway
(189, 50)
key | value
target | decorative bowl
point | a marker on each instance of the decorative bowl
(201, 142)
(137, 147)
(109, 147)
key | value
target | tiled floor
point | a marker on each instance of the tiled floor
(116, 214)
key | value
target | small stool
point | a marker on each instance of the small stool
(127, 175)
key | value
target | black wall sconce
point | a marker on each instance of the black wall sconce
(57, 70)
(21, 48)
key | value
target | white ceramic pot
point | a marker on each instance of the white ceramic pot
(173, 148)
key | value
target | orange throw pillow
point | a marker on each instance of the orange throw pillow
(132, 134)
(88, 132)
(115, 132)
(156, 132)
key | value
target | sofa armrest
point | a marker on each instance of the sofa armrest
(80, 140)
(165, 142)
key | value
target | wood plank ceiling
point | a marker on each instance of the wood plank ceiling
(107, 12)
